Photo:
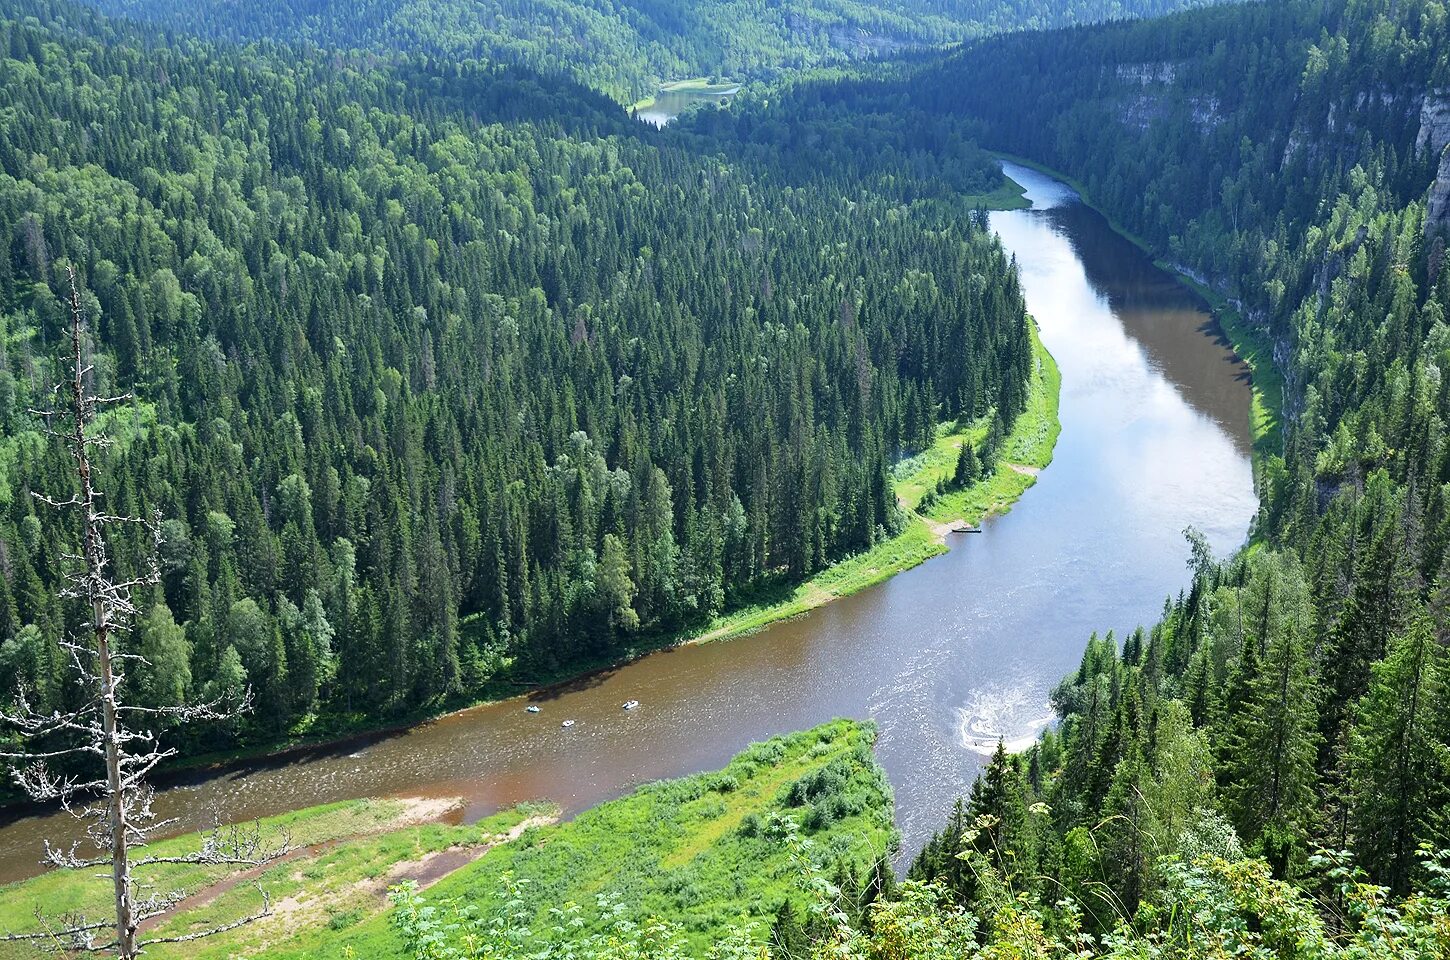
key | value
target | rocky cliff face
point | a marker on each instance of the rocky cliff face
(1434, 122)
(1437, 216)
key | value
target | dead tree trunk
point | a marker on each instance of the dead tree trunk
(117, 805)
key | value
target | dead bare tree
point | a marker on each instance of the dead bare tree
(115, 804)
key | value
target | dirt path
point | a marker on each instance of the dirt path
(307, 908)
(415, 811)
(432, 867)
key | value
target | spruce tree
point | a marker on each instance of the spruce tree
(1400, 761)
(998, 812)
(1270, 772)
(969, 468)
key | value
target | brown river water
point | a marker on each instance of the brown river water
(945, 658)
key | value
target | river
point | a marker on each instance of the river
(945, 657)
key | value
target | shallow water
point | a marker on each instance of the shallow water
(669, 104)
(945, 658)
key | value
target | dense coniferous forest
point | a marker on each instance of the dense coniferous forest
(445, 369)
(1292, 156)
(627, 47)
(448, 369)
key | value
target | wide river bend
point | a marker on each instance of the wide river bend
(945, 658)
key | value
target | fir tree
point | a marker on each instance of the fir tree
(968, 470)
(1400, 764)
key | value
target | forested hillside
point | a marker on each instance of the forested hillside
(442, 371)
(627, 47)
(1293, 703)
(1283, 152)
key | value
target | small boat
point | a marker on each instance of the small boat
(630, 704)
(567, 723)
(532, 708)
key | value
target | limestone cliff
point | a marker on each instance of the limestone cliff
(1434, 122)
(1437, 215)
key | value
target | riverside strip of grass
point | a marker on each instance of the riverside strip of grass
(696, 84)
(1027, 449)
(700, 850)
(1011, 195)
(914, 545)
(345, 856)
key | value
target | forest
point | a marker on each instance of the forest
(626, 48)
(446, 370)
(425, 392)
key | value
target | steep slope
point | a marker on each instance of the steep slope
(1290, 158)
(445, 374)
(626, 47)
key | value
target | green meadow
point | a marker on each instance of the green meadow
(704, 851)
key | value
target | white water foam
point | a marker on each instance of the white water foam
(1009, 715)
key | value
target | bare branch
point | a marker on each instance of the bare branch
(266, 911)
(115, 807)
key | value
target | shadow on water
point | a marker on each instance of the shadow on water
(1168, 319)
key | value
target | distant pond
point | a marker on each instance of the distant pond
(675, 99)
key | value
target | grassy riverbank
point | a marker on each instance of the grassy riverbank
(914, 545)
(346, 855)
(1027, 450)
(699, 849)
(1011, 195)
(700, 85)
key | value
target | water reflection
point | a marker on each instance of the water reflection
(669, 104)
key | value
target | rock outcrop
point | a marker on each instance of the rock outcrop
(1143, 74)
(1437, 214)
(1434, 122)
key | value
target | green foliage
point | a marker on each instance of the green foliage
(461, 933)
(1399, 758)
(450, 374)
(1211, 908)
(627, 47)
